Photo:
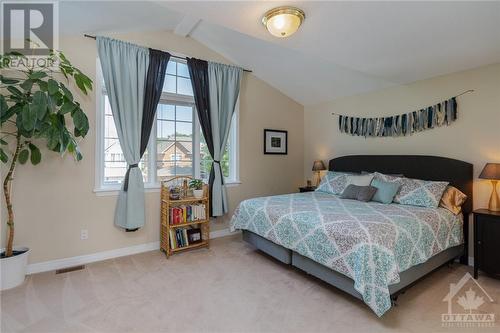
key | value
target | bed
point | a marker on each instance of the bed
(370, 250)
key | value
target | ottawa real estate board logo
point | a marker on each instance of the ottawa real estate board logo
(30, 29)
(468, 305)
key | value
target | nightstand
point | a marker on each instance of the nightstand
(307, 188)
(487, 242)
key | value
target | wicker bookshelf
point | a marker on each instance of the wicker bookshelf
(186, 199)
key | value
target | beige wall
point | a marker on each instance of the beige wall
(55, 200)
(474, 137)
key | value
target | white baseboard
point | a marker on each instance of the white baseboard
(52, 265)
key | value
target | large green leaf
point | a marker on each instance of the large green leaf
(23, 156)
(27, 85)
(51, 104)
(64, 140)
(8, 80)
(15, 91)
(29, 117)
(44, 86)
(78, 155)
(81, 122)
(10, 112)
(3, 156)
(36, 156)
(37, 75)
(3, 106)
(66, 92)
(52, 138)
(58, 98)
(39, 104)
(67, 107)
(83, 82)
(53, 86)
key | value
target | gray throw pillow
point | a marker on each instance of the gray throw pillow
(360, 193)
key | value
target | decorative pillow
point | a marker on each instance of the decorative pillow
(386, 191)
(360, 180)
(453, 199)
(389, 174)
(361, 193)
(416, 192)
(333, 182)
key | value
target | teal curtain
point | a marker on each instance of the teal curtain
(224, 89)
(124, 67)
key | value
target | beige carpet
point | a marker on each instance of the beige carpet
(229, 288)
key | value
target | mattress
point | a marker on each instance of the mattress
(369, 242)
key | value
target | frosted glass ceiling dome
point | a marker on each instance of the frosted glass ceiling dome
(283, 21)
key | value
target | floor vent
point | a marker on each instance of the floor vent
(70, 269)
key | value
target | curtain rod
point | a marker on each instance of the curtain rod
(172, 56)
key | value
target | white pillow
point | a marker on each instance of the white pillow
(362, 180)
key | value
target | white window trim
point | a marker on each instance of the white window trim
(103, 189)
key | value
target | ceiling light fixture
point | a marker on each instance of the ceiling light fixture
(283, 21)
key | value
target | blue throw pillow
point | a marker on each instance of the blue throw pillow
(386, 191)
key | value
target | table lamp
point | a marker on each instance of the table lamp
(491, 171)
(318, 166)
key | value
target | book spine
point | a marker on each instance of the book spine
(177, 235)
(184, 231)
(173, 243)
(177, 215)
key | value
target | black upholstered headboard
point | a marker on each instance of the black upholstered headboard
(458, 173)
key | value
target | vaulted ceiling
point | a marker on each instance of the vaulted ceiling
(343, 48)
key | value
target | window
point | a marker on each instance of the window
(176, 145)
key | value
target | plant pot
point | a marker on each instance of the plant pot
(13, 269)
(198, 194)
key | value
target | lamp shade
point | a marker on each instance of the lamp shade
(491, 171)
(318, 165)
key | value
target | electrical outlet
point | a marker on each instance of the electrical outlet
(84, 234)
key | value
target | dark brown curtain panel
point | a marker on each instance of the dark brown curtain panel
(198, 71)
(157, 70)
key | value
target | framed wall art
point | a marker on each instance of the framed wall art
(275, 142)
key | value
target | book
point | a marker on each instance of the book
(186, 214)
(173, 242)
(185, 236)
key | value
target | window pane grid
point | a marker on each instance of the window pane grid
(176, 149)
(177, 80)
(175, 144)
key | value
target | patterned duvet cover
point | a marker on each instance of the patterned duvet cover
(368, 242)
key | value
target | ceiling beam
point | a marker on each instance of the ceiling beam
(186, 25)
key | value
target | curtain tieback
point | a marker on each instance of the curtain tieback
(220, 168)
(125, 185)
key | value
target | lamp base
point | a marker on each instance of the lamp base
(494, 204)
(316, 178)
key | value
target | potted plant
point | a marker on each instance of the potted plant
(197, 186)
(36, 106)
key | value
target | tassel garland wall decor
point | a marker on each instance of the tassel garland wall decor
(443, 113)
